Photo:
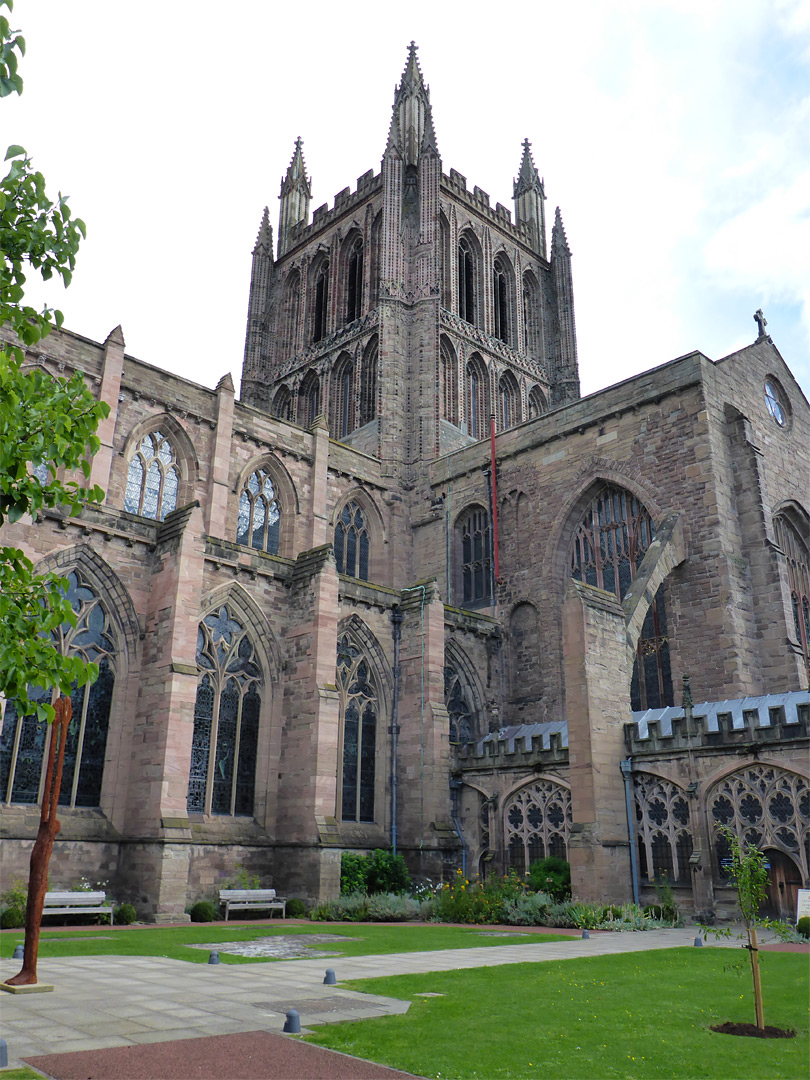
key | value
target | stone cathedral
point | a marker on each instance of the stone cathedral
(413, 590)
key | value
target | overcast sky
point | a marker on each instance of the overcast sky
(675, 137)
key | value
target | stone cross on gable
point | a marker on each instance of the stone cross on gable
(761, 322)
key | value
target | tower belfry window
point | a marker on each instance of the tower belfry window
(501, 301)
(354, 283)
(466, 281)
(320, 314)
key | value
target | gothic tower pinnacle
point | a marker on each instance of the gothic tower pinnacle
(296, 191)
(412, 120)
(529, 198)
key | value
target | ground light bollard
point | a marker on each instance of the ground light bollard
(19, 952)
(213, 957)
(329, 978)
(586, 935)
(698, 942)
(3, 1054)
(292, 1025)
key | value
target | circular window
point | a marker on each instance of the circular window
(775, 401)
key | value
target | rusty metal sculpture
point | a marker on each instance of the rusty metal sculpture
(43, 846)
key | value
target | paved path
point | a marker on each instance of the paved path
(110, 1001)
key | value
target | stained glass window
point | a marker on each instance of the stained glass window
(24, 740)
(259, 517)
(797, 559)
(153, 478)
(608, 548)
(224, 744)
(352, 542)
(476, 564)
(359, 709)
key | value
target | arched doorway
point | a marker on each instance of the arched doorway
(784, 882)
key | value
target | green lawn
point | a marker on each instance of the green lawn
(634, 1016)
(173, 941)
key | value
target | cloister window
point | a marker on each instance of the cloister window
(796, 555)
(309, 399)
(462, 721)
(609, 545)
(537, 403)
(537, 824)
(320, 313)
(664, 837)
(501, 290)
(448, 382)
(153, 478)
(225, 740)
(352, 542)
(24, 739)
(359, 710)
(476, 565)
(343, 410)
(508, 401)
(354, 282)
(282, 403)
(467, 268)
(368, 382)
(476, 398)
(259, 517)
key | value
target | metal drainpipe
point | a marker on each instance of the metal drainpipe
(396, 620)
(455, 787)
(626, 765)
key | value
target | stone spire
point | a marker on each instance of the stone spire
(264, 238)
(261, 277)
(565, 377)
(296, 191)
(529, 198)
(559, 242)
(411, 122)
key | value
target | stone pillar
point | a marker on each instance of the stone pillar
(111, 371)
(319, 511)
(597, 677)
(216, 517)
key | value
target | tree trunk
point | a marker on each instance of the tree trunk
(43, 846)
(753, 952)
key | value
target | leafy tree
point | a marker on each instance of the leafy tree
(47, 424)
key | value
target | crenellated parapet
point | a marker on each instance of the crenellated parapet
(538, 746)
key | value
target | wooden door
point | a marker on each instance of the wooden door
(784, 882)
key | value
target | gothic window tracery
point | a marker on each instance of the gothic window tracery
(467, 292)
(222, 774)
(309, 399)
(537, 403)
(448, 383)
(608, 547)
(537, 824)
(354, 281)
(320, 312)
(797, 558)
(290, 313)
(501, 290)
(352, 541)
(476, 565)
(664, 836)
(532, 315)
(259, 519)
(509, 400)
(153, 478)
(476, 397)
(359, 708)
(368, 382)
(24, 740)
(460, 711)
(343, 409)
(282, 403)
(767, 807)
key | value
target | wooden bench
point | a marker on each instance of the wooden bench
(252, 900)
(77, 903)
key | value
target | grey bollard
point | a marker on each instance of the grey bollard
(329, 978)
(213, 957)
(19, 952)
(3, 1054)
(586, 935)
(698, 942)
(292, 1025)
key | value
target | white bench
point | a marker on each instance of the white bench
(77, 903)
(252, 900)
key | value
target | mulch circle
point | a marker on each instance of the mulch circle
(754, 1032)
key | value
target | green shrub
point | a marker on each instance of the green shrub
(16, 895)
(12, 918)
(551, 875)
(803, 926)
(296, 909)
(391, 907)
(669, 909)
(654, 911)
(352, 908)
(527, 910)
(379, 872)
(242, 879)
(465, 901)
(125, 914)
(203, 911)
(352, 873)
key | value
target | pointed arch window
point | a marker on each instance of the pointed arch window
(532, 316)
(608, 548)
(501, 290)
(508, 400)
(476, 398)
(448, 383)
(537, 402)
(259, 518)
(354, 281)
(153, 478)
(320, 314)
(475, 563)
(537, 824)
(467, 298)
(368, 382)
(461, 713)
(309, 399)
(224, 744)
(359, 709)
(282, 403)
(352, 543)
(290, 313)
(24, 740)
(664, 837)
(796, 555)
(343, 409)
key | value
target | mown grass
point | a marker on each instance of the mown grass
(638, 1016)
(362, 939)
